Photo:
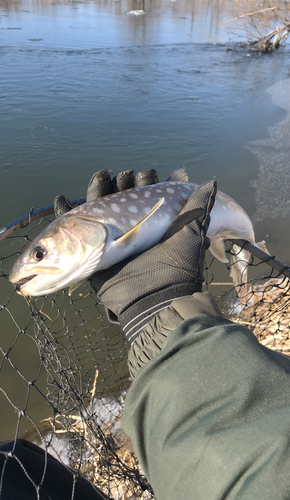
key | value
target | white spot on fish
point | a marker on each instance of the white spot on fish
(187, 187)
(178, 207)
(170, 190)
(147, 210)
(159, 191)
(133, 209)
(112, 220)
(184, 196)
(133, 222)
(123, 199)
(147, 194)
(133, 195)
(115, 207)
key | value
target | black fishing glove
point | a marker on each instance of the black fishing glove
(101, 184)
(138, 288)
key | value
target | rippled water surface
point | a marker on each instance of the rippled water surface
(92, 85)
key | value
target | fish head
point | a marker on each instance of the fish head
(65, 252)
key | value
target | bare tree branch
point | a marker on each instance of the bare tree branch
(250, 14)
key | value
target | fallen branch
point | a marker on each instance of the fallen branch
(250, 14)
(254, 23)
(265, 44)
(93, 391)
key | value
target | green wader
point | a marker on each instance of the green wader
(209, 416)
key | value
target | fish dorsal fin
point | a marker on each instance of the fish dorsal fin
(217, 248)
(127, 237)
(179, 175)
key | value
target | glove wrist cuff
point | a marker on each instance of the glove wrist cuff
(151, 338)
(134, 319)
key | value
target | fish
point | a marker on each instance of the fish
(99, 234)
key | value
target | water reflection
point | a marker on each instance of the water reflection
(164, 21)
(212, 7)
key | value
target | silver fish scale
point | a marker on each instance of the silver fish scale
(127, 208)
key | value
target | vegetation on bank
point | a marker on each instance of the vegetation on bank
(266, 25)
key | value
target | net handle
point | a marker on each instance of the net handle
(263, 256)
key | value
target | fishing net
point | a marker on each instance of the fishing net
(63, 371)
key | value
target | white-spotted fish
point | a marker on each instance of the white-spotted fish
(101, 233)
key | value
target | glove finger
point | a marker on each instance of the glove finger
(100, 185)
(124, 180)
(147, 177)
(100, 278)
(61, 205)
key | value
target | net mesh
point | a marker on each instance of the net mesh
(63, 372)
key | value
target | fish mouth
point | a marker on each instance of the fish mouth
(30, 280)
(33, 278)
(26, 279)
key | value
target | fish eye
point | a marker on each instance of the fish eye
(38, 253)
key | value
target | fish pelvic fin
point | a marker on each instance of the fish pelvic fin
(217, 248)
(75, 285)
(130, 235)
(179, 175)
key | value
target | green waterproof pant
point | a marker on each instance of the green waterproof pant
(209, 417)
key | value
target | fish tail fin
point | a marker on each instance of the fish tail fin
(240, 259)
(179, 175)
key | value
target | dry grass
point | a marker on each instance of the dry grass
(267, 313)
(103, 455)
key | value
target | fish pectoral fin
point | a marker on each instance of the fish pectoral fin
(217, 248)
(75, 285)
(128, 237)
(179, 175)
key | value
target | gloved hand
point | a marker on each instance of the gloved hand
(135, 290)
(101, 184)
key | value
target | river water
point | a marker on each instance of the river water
(141, 84)
(91, 85)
